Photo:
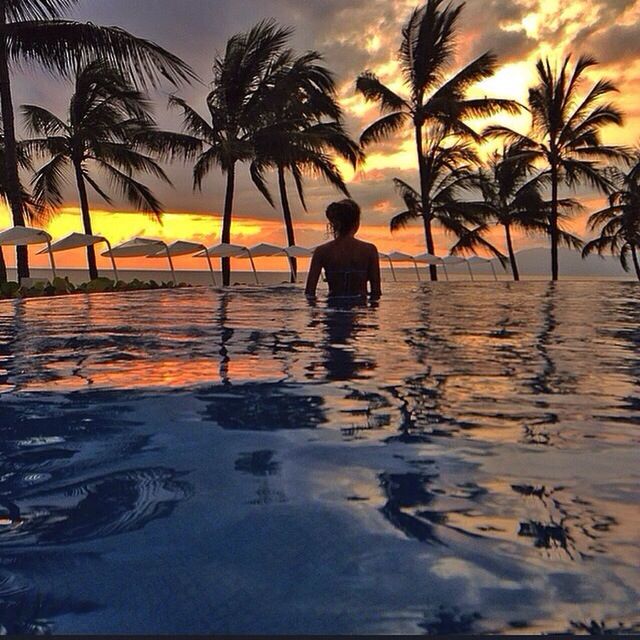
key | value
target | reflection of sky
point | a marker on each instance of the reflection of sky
(267, 465)
(356, 35)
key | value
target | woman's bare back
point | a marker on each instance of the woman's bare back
(349, 264)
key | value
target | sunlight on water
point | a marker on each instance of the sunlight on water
(455, 458)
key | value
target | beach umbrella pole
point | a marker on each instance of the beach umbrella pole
(393, 271)
(173, 273)
(470, 271)
(495, 275)
(113, 261)
(213, 275)
(446, 273)
(51, 260)
(415, 264)
(253, 266)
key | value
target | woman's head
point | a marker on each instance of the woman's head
(344, 217)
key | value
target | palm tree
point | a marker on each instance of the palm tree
(565, 136)
(109, 127)
(619, 222)
(33, 32)
(512, 192)
(426, 54)
(303, 130)
(449, 174)
(243, 78)
(32, 212)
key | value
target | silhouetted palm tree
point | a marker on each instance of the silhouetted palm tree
(512, 191)
(109, 128)
(426, 54)
(619, 222)
(303, 130)
(566, 133)
(449, 171)
(243, 79)
(32, 212)
(32, 31)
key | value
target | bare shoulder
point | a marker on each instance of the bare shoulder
(370, 248)
(321, 249)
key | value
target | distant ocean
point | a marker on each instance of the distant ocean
(197, 277)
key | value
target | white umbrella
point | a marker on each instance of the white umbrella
(22, 236)
(226, 250)
(385, 256)
(295, 251)
(398, 256)
(77, 240)
(141, 247)
(184, 248)
(267, 250)
(479, 260)
(429, 258)
(452, 260)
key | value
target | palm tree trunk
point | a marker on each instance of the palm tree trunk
(512, 255)
(428, 232)
(86, 219)
(12, 179)
(226, 222)
(636, 263)
(3, 267)
(288, 220)
(554, 222)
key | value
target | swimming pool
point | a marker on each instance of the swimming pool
(456, 458)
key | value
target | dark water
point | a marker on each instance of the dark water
(458, 458)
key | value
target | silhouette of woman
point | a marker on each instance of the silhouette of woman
(349, 264)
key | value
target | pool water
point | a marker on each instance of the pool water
(456, 458)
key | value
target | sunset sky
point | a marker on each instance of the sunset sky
(354, 35)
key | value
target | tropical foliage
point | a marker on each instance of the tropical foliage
(566, 134)
(34, 32)
(243, 81)
(301, 134)
(619, 222)
(109, 129)
(436, 99)
(449, 171)
(512, 190)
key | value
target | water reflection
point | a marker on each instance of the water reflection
(452, 460)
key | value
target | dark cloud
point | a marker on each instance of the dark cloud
(353, 36)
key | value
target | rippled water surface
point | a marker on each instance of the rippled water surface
(457, 458)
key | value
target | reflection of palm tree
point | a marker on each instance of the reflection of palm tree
(109, 127)
(32, 32)
(426, 51)
(303, 127)
(512, 193)
(566, 134)
(242, 86)
(619, 222)
(226, 333)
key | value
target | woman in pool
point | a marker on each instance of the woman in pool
(349, 264)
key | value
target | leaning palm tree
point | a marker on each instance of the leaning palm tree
(512, 191)
(450, 175)
(302, 133)
(33, 32)
(566, 133)
(109, 128)
(619, 222)
(243, 78)
(426, 53)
